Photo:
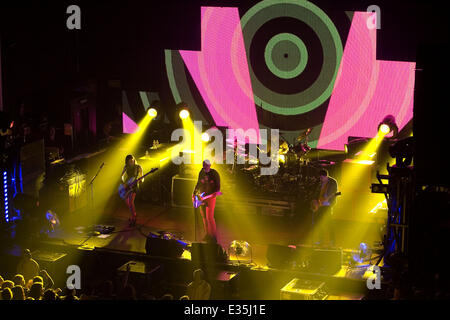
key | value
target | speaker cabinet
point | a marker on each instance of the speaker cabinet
(280, 257)
(208, 252)
(306, 258)
(326, 261)
(163, 248)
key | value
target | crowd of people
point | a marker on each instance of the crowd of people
(30, 282)
(33, 283)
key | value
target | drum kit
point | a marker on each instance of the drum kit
(298, 174)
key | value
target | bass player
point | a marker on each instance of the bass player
(322, 208)
(131, 172)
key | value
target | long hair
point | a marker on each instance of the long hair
(131, 171)
(129, 157)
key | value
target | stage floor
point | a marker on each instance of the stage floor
(258, 230)
(180, 222)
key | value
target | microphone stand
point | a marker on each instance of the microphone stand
(92, 184)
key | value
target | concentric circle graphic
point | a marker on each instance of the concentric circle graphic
(287, 55)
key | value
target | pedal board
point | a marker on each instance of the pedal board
(104, 229)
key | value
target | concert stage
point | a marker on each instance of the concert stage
(102, 256)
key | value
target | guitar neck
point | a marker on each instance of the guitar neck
(139, 179)
(218, 193)
(332, 195)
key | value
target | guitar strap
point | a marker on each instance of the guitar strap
(133, 173)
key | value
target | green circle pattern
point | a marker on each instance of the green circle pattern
(320, 91)
(275, 65)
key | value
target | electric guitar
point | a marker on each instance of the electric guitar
(198, 199)
(124, 190)
(316, 204)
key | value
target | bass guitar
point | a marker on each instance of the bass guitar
(124, 190)
(199, 199)
(316, 204)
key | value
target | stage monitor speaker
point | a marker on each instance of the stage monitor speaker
(326, 261)
(280, 257)
(163, 248)
(208, 252)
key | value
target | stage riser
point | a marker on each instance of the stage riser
(101, 264)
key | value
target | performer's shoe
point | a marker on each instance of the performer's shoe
(132, 222)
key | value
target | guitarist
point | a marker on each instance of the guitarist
(208, 182)
(131, 172)
(322, 207)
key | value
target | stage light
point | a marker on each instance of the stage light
(152, 112)
(205, 137)
(184, 114)
(402, 151)
(388, 125)
(240, 250)
(365, 162)
(384, 128)
(5, 199)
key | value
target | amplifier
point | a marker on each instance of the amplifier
(300, 289)
(77, 192)
(326, 261)
(208, 253)
(280, 257)
(170, 248)
(318, 260)
(181, 191)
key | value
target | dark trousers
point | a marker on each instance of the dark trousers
(323, 226)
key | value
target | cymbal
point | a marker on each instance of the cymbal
(253, 167)
(304, 134)
(284, 148)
